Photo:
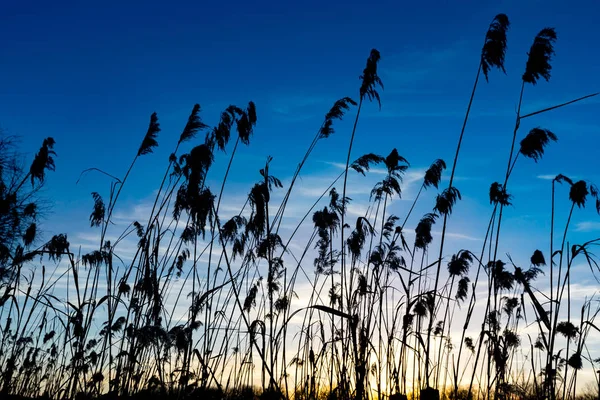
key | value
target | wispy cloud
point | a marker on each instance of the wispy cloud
(342, 166)
(456, 235)
(546, 177)
(587, 226)
(412, 175)
(549, 177)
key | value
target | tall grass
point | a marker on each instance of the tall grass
(232, 304)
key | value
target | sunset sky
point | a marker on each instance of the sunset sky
(90, 74)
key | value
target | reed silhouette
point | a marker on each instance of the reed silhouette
(220, 304)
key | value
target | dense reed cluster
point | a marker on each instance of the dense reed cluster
(209, 303)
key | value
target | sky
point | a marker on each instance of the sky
(90, 74)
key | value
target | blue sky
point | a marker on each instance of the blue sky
(90, 74)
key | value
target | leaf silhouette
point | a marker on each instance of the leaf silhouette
(578, 193)
(364, 162)
(259, 200)
(503, 279)
(325, 222)
(139, 229)
(251, 112)
(463, 289)
(149, 141)
(193, 126)
(560, 178)
(423, 231)
(393, 160)
(542, 315)
(202, 210)
(357, 238)
(433, 175)
(30, 210)
(445, 201)
(222, 132)
(331, 311)
(336, 112)
(335, 203)
(538, 259)
(57, 246)
(370, 79)
(510, 304)
(540, 55)
(97, 215)
(124, 288)
(532, 146)
(459, 263)
(395, 165)
(229, 230)
(498, 194)
(494, 48)
(199, 300)
(246, 123)
(469, 344)
(575, 361)
(567, 329)
(250, 300)
(30, 234)
(43, 161)
(48, 336)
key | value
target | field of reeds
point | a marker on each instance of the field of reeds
(243, 304)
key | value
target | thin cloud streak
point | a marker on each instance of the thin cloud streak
(587, 226)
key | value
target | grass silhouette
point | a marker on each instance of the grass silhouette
(205, 306)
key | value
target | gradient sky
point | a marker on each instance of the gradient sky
(90, 74)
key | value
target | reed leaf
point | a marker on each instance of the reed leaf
(532, 146)
(578, 193)
(567, 329)
(30, 234)
(463, 289)
(365, 162)
(149, 142)
(97, 215)
(446, 200)
(459, 263)
(596, 195)
(370, 79)
(423, 231)
(193, 126)
(537, 258)
(57, 246)
(336, 112)
(498, 195)
(246, 123)
(540, 54)
(433, 175)
(560, 178)
(43, 161)
(575, 361)
(494, 48)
